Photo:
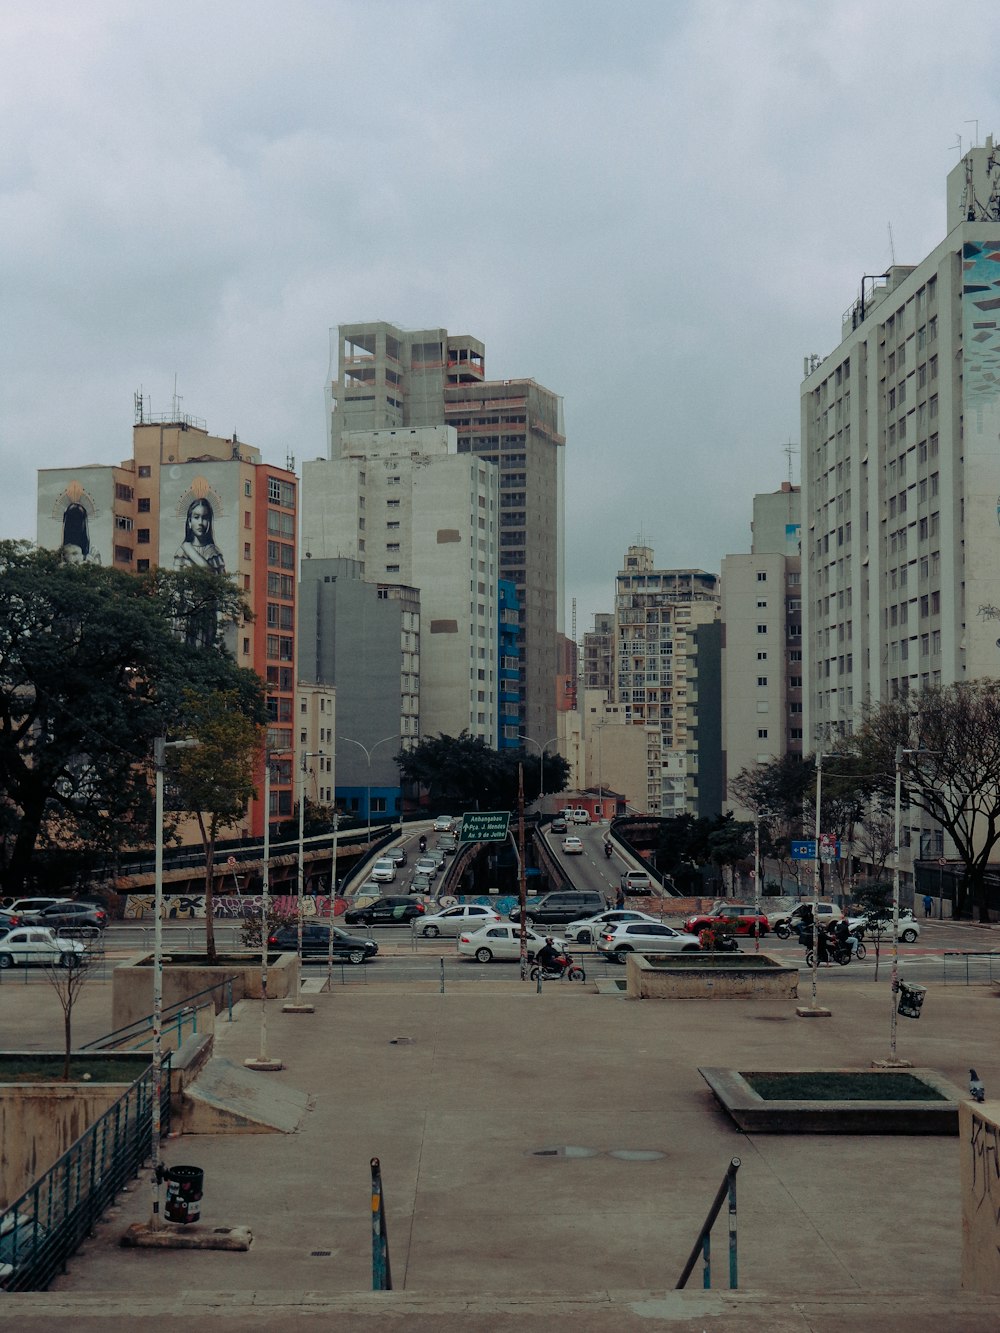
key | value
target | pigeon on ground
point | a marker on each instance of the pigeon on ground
(976, 1087)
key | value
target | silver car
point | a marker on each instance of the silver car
(641, 937)
(453, 920)
(587, 930)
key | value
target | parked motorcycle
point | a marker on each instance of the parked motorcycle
(567, 971)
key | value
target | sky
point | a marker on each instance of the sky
(656, 208)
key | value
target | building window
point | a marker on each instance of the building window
(762, 733)
(762, 657)
(142, 536)
(142, 566)
(761, 576)
(144, 505)
(145, 470)
(761, 629)
(762, 680)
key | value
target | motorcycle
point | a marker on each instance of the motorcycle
(422, 843)
(836, 952)
(567, 971)
(608, 849)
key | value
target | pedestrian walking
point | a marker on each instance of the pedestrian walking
(928, 904)
(620, 898)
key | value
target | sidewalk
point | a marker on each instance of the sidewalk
(835, 1233)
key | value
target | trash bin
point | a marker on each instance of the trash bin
(911, 999)
(183, 1203)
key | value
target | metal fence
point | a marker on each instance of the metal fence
(970, 969)
(46, 1225)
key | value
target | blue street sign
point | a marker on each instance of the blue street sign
(806, 850)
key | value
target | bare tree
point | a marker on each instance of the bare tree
(946, 741)
(67, 976)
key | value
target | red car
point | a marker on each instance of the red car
(740, 920)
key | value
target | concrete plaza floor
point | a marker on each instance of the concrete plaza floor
(835, 1232)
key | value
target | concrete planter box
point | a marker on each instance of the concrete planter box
(709, 976)
(185, 975)
(41, 1118)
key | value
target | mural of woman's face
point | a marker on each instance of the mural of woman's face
(201, 521)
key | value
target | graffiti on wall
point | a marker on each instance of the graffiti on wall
(191, 907)
(984, 1144)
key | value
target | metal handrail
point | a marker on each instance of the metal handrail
(144, 1024)
(704, 1242)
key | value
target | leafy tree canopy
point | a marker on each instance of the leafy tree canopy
(463, 772)
(95, 663)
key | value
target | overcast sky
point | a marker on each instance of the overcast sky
(654, 208)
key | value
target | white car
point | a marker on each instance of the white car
(572, 846)
(909, 927)
(384, 870)
(588, 929)
(426, 865)
(502, 941)
(29, 908)
(453, 920)
(579, 815)
(444, 824)
(641, 937)
(39, 945)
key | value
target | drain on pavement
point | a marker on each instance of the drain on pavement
(564, 1151)
(401, 1041)
(320, 1254)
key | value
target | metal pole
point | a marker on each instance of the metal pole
(159, 756)
(894, 987)
(756, 881)
(817, 865)
(733, 1272)
(381, 1273)
(333, 895)
(302, 873)
(522, 891)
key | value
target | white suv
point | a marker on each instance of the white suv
(384, 870)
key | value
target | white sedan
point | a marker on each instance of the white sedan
(443, 824)
(427, 865)
(502, 941)
(909, 927)
(453, 920)
(587, 930)
(641, 937)
(572, 846)
(39, 945)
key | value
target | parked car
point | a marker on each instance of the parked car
(558, 825)
(316, 942)
(421, 884)
(38, 945)
(427, 865)
(642, 937)
(383, 912)
(443, 824)
(587, 930)
(502, 942)
(63, 916)
(740, 920)
(397, 855)
(453, 920)
(636, 882)
(384, 870)
(572, 846)
(556, 908)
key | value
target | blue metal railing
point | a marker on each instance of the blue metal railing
(45, 1226)
(703, 1245)
(178, 1015)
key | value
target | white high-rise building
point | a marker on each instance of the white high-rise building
(414, 512)
(901, 474)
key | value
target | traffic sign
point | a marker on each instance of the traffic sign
(485, 826)
(805, 849)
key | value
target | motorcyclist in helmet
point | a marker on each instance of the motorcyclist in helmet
(549, 956)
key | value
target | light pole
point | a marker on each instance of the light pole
(368, 755)
(264, 1062)
(160, 747)
(814, 1010)
(541, 761)
(894, 987)
(758, 816)
(298, 1007)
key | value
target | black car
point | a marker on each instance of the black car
(554, 909)
(385, 912)
(63, 915)
(397, 855)
(316, 942)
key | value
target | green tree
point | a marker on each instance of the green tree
(214, 780)
(873, 901)
(948, 742)
(92, 669)
(464, 772)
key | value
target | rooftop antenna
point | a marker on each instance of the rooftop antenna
(958, 144)
(289, 461)
(139, 408)
(790, 449)
(175, 406)
(892, 247)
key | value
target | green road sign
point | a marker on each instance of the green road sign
(485, 826)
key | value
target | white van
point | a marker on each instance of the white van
(579, 815)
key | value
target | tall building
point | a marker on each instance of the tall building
(598, 654)
(364, 639)
(187, 498)
(762, 640)
(900, 477)
(384, 377)
(658, 613)
(414, 513)
(509, 667)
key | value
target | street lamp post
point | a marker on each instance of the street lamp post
(160, 747)
(758, 816)
(814, 1010)
(894, 987)
(541, 760)
(263, 1061)
(298, 1007)
(368, 755)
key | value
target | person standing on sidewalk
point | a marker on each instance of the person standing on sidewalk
(928, 904)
